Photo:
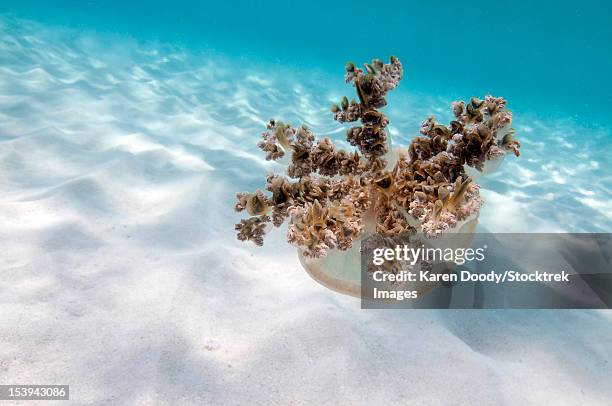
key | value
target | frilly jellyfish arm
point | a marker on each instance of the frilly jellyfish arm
(333, 198)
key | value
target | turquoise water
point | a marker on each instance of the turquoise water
(229, 66)
(553, 56)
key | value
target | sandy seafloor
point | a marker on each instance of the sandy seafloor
(120, 275)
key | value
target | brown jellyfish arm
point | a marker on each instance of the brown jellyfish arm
(252, 229)
(308, 230)
(276, 139)
(333, 198)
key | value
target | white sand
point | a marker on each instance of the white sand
(120, 275)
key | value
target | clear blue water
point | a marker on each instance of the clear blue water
(247, 62)
(551, 56)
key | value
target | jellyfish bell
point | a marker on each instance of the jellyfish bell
(341, 271)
